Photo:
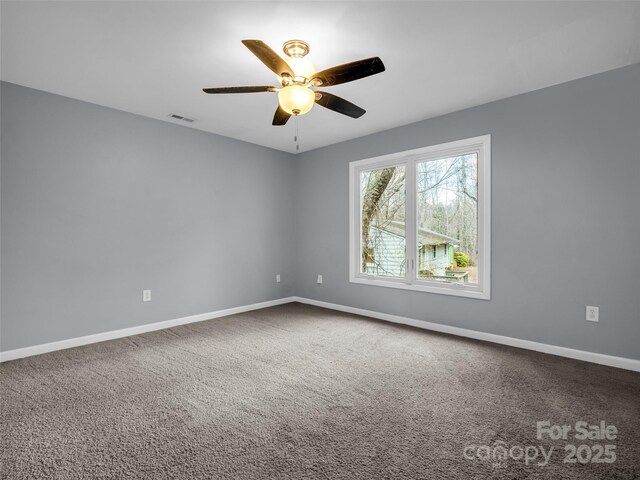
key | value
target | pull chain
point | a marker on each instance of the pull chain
(295, 137)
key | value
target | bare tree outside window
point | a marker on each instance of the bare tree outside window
(447, 219)
(447, 204)
(383, 202)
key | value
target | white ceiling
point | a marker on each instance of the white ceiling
(153, 58)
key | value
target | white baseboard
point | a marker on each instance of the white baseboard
(126, 332)
(609, 360)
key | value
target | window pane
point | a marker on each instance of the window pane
(447, 215)
(382, 229)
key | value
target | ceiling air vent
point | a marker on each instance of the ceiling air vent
(181, 118)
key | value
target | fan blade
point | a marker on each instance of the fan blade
(340, 105)
(348, 72)
(239, 89)
(270, 58)
(281, 117)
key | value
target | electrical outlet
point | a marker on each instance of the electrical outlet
(593, 314)
(278, 278)
(146, 295)
(319, 279)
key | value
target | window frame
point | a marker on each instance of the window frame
(480, 145)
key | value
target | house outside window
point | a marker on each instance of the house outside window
(426, 215)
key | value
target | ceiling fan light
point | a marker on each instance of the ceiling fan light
(296, 99)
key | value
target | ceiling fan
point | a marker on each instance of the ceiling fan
(297, 75)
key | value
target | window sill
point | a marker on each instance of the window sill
(455, 289)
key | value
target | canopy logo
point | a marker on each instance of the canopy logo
(582, 429)
(541, 455)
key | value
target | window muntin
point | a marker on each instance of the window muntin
(436, 194)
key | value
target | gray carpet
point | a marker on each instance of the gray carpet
(298, 392)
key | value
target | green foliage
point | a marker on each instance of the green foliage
(425, 273)
(461, 258)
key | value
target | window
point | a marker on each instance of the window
(426, 215)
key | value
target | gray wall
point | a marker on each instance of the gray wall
(565, 207)
(98, 205)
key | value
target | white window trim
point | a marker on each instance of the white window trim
(480, 145)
